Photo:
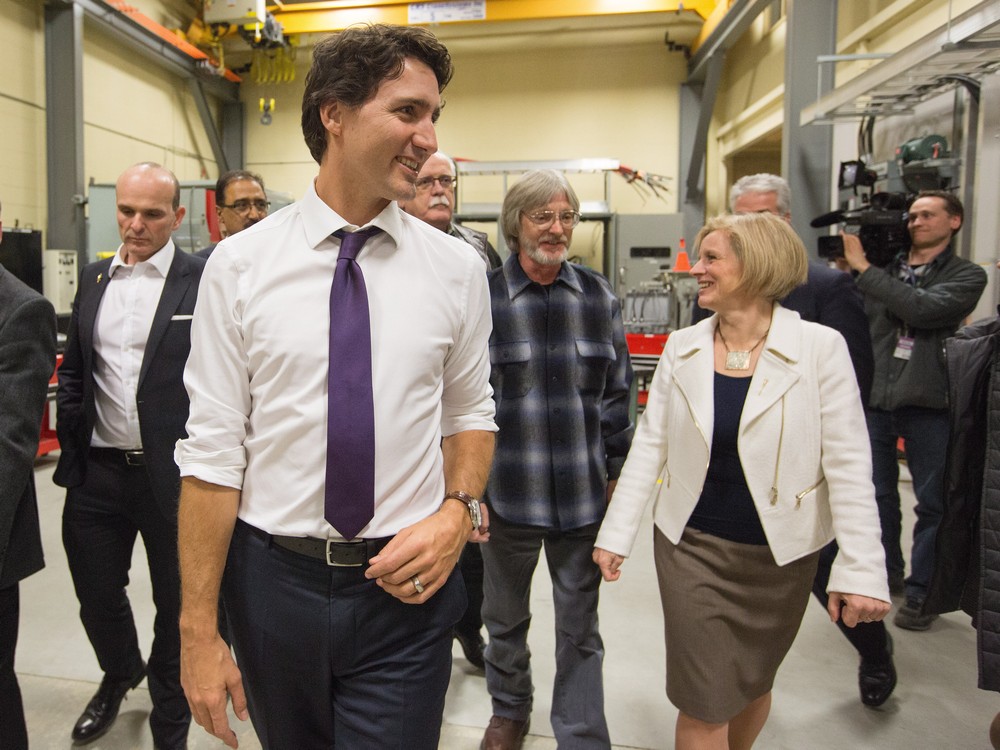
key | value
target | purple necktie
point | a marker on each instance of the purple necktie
(350, 426)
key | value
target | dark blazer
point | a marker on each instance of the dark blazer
(831, 297)
(27, 359)
(161, 399)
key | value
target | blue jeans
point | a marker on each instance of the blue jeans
(509, 561)
(925, 432)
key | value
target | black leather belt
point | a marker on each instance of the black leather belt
(336, 554)
(131, 458)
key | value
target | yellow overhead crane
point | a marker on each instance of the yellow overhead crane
(325, 16)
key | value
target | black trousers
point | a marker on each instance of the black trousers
(13, 734)
(329, 660)
(100, 522)
(868, 638)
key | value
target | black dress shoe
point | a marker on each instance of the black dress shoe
(877, 680)
(102, 710)
(473, 647)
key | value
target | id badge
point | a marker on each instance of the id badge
(904, 348)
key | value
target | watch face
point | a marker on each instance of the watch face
(476, 514)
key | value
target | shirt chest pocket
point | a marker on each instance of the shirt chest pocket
(511, 362)
(595, 358)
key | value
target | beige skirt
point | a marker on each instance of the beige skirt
(730, 615)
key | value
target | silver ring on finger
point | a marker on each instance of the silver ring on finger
(417, 584)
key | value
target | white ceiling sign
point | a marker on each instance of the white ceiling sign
(447, 12)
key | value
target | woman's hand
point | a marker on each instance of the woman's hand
(609, 563)
(854, 608)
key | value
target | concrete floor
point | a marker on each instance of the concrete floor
(936, 704)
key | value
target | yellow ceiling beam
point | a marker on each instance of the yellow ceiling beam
(712, 20)
(332, 15)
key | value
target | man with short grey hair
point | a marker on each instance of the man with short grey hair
(561, 377)
(434, 203)
(754, 193)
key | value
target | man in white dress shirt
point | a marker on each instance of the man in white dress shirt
(121, 407)
(343, 638)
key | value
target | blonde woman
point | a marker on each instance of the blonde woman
(754, 444)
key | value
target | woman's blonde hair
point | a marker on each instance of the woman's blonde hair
(772, 256)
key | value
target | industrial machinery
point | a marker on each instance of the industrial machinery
(59, 275)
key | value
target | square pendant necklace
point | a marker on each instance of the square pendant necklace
(739, 360)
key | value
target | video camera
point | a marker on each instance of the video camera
(881, 227)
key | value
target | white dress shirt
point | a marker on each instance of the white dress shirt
(120, 333)
(257, 373)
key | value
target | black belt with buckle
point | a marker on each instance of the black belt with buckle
(336, 554)
(130, 458)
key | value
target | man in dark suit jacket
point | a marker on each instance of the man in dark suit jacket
(829, 297)
(121, 407)
(27, 358)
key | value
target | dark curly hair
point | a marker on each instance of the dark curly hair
(349, 66)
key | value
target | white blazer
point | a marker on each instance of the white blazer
(802, 441)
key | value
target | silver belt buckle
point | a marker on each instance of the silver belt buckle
(329, 560)
(135, 458)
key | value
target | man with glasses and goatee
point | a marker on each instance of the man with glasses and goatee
(561, 376)
(240, 202)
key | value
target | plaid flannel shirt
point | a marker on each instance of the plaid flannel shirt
(561, 376)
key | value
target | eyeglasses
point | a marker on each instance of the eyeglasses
(547, 218)
(446, 181)
(243, 206)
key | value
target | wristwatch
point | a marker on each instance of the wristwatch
(471, 503)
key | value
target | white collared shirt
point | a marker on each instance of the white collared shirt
(257, 372)
(121, 329)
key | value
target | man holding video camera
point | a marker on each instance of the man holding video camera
(914, 303)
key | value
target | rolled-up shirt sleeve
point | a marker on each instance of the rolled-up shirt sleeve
(467, 399)
(217, 379)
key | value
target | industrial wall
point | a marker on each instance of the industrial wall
(550, 102)
(748, 116)
(616, 102)
(133, 111)
(22, 114)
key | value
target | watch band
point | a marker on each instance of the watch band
(471, 504)
(465, 497)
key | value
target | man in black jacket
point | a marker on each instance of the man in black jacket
(121, 407)
(27, 358)
(913, 305)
